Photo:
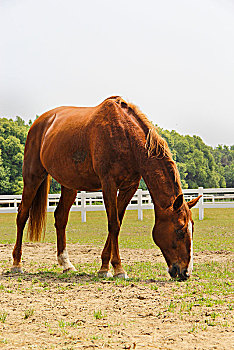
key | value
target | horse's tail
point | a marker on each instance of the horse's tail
(37, 212)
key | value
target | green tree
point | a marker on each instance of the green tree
(142, 185)
(4, 178)
(12, 157)
(195, 160)
(229, 175)
(12, 140)
(224, 158)
(55, 187)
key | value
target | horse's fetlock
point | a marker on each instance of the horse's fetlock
(115, 263)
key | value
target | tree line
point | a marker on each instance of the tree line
(198, 163)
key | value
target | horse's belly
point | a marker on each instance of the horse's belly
(79, 179)
(70, 169)
(80, 183)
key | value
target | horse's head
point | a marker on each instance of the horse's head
(173, 234)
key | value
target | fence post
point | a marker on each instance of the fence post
(15, 204)
(83, 206)
(139, 204)
(200, 204)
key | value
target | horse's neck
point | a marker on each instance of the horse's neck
(162, 179)
(160, 174)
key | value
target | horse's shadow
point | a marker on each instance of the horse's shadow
(50, 277)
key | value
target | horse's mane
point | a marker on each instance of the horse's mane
(155, 144)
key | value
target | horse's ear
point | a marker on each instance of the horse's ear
(193, 202)
(178, 202)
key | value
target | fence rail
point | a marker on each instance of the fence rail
(93, 201)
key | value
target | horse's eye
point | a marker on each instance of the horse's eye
(180, 234)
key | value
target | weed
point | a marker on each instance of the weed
(171, 307)
(72, 324)
(210, 323)
(35, 280)
(62, 326)
(154, 287)
(96, 337)
(98, 315)
(28, 313)
(213, 315)
(47, 325)
(3, 316)
(193, 329)
(203, 327)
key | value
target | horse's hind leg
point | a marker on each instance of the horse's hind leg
(30, 189)
(61, 217)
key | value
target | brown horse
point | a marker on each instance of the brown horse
(109, 147)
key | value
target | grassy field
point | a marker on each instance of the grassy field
(213, 233)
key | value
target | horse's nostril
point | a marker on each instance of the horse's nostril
(173, 271)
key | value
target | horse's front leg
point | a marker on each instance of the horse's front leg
(61, 217)
(111, 249)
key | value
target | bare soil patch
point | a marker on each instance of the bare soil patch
(45, 309)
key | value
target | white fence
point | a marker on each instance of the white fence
(93, 201)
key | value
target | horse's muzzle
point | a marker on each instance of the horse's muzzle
(174, 272)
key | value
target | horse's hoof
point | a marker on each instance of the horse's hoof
(17, 269)
(69, 269)
(105, 274)
(122, 275)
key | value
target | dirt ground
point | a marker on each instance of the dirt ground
(44, 310)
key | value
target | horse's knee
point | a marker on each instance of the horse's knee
(60, 223)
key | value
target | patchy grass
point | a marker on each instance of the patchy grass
(81, 308)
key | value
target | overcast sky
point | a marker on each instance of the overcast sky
(172, 58)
